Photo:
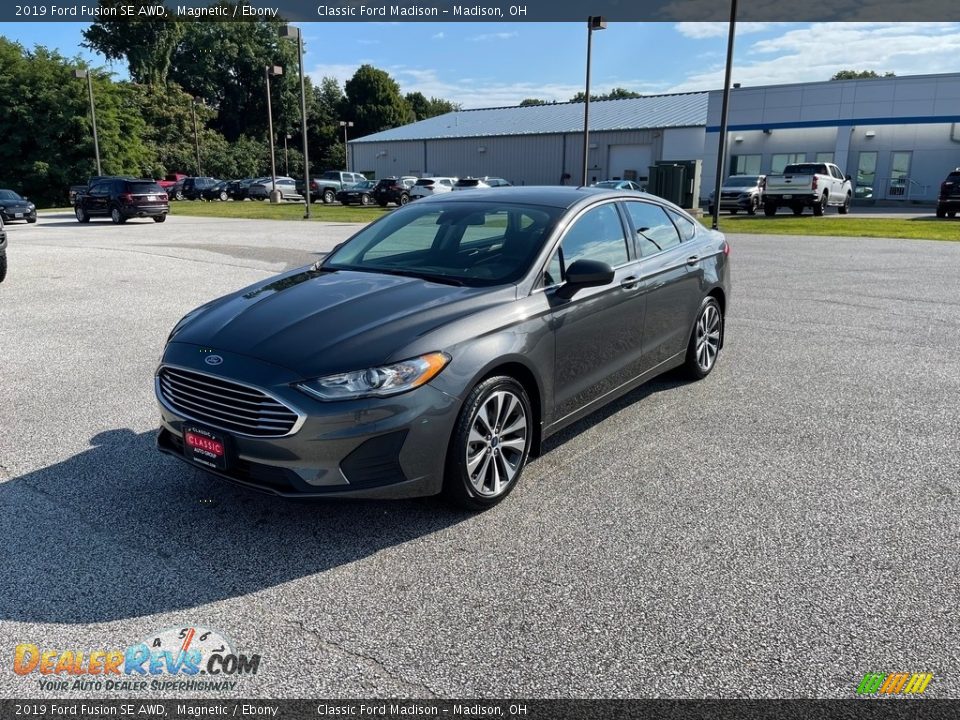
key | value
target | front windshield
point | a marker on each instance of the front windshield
(462, 243)
(607, 184)
(9, 195)
(741, 181)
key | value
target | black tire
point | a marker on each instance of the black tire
(952, 214)
(754, 204)
(117, 217)
(458, 487)
(798, 209)
(178, 195)
(404, 199)
(328, 197)
(769, 209)
(694, 367)
(734, 211)
(159, 218)
(941, 213)
(820, 207)
(710, 210)
(3, 266)
(365, 200)
(381, 203)
(32, 220)
(845, 208)
(81, 214)
(223, 196)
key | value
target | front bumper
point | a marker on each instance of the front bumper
(372, 448)
(11, 214)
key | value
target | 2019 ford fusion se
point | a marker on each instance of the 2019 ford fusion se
(435, 349)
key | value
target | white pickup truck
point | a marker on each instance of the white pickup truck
(815, 185)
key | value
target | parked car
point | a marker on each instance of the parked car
(813, 185)
(194, 187)
(740, 192)
(238, 189)
(948, 203)
(172, 184)
(261, 189)
(75, 189)
(425, 187)
(326, 187)
(15, 207)
(437, 347)
(393, 190)
(361, 193)
(617, 185)
(3, 250)
(216, 192)
(470, 183)
(121, 200)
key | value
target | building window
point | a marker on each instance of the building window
(825, 157)
(781, 160)
(899, 173)
(866, 174)
(745, 164)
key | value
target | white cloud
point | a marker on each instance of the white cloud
(701, 30)
(486, 37)
(817, 52)
(438, 36)
(341, 73)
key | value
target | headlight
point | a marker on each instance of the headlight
(378, 381)
(31, 206)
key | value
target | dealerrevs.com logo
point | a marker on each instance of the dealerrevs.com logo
(177, 659)
(894, 683)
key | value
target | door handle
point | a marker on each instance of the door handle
(630, 283)
(693, 260)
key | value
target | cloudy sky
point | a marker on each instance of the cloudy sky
(493, 64)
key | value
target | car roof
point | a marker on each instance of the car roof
(551, 195)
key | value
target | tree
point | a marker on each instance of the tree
(528, 102)
(617, 93)
(146, 45)
(423, 108)
(375, 100)
(859, 75)
(45, 133)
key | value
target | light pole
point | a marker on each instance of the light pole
(346, 153)
(286, 155)
(724, 106)
(291, 31)
(93, 114)
(272, 70)
(594, 22)
(196, 134)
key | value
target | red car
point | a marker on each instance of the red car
(170, 180)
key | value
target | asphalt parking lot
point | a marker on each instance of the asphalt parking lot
(777, 530)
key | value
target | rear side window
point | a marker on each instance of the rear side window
(424, 181)
(144, 188)
(685, 226)
(468, 183)
(655, 231)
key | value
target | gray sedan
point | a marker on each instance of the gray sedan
(435, 349)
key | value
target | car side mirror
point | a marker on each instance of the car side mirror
(850, 178)
(583, 274)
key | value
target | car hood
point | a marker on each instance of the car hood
(8, 204)
(317, 322)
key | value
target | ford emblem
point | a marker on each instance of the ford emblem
(213, 360)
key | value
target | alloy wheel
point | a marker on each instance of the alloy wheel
(708, 338)
(497, 444)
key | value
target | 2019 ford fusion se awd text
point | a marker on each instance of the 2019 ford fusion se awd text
(436, 348)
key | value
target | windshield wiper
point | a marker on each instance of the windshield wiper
(432, 277)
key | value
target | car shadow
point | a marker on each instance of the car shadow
(120, 531)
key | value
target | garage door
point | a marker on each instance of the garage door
(629, 162)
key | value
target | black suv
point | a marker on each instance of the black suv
(122, 200)
(3, 250)
(949, 200)
(393, 190)
(195, 188)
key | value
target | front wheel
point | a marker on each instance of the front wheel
(404, 199)
(769, 209)
(364, 199)
(117, 218)
(941, 213)
(3, 266)
(32, 219)
(81, 214)
(754, 204)
(490, 445)
(223, 196)
(845, 208)
(705, 340)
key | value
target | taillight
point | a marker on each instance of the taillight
(726, 248)
(813, 185)
(126, 197)
(163, 196)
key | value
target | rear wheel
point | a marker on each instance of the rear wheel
(769, 209)
(705, 340)
(117, 218)
(845, 208)
(381, 203)
(159, 218)
(490, 445)
(821, 206)
(328, 197)
(941, 213)
(952, 213)
(81, 214)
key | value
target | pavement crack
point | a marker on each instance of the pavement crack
(369, 661)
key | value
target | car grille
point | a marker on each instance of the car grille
(729, 195)
(225, 404)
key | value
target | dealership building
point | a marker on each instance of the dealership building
(897, 137)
